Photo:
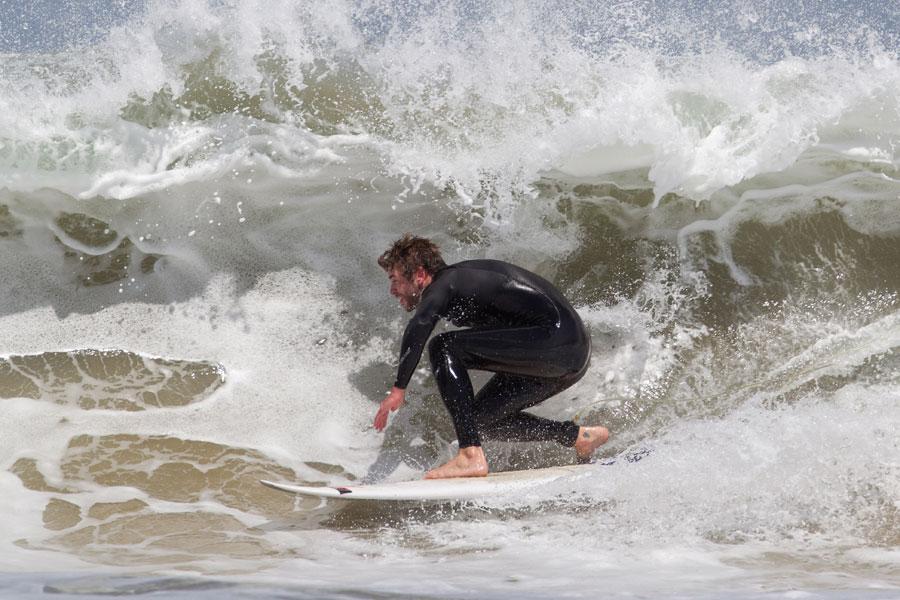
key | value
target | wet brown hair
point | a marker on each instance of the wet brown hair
(409, 253)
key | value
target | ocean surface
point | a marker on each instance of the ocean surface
(193, 194)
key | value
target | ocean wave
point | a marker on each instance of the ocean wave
(456, 96)
(715, 189)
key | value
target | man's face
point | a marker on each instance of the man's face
(405, 290)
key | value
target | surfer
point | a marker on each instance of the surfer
(520, 327)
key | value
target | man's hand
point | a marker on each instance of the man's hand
(392, 402)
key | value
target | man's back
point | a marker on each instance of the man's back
(493, 293)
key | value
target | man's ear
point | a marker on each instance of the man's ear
(420, 275)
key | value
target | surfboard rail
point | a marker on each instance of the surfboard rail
(461, 488)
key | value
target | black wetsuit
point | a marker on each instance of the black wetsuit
(521, 328)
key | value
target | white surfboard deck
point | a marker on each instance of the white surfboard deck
(461, 488)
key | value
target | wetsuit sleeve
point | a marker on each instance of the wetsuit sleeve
(418, 329)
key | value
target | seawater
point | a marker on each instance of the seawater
(192, 198)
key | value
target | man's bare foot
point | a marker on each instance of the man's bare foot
(469, 462)
(589, 439)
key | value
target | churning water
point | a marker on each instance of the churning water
(192, 197)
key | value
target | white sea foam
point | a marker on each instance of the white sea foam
(503, 100)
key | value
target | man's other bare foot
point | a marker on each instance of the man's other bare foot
(589, 439)
(469, 462)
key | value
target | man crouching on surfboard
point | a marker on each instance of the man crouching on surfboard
(520, 327)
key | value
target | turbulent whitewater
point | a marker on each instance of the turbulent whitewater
(192, 198)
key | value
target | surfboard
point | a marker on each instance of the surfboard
(462, 488)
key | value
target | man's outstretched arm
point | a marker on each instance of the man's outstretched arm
(416, 334)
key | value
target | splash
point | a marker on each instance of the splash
(484, 101)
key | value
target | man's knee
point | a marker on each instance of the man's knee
(439, 349)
